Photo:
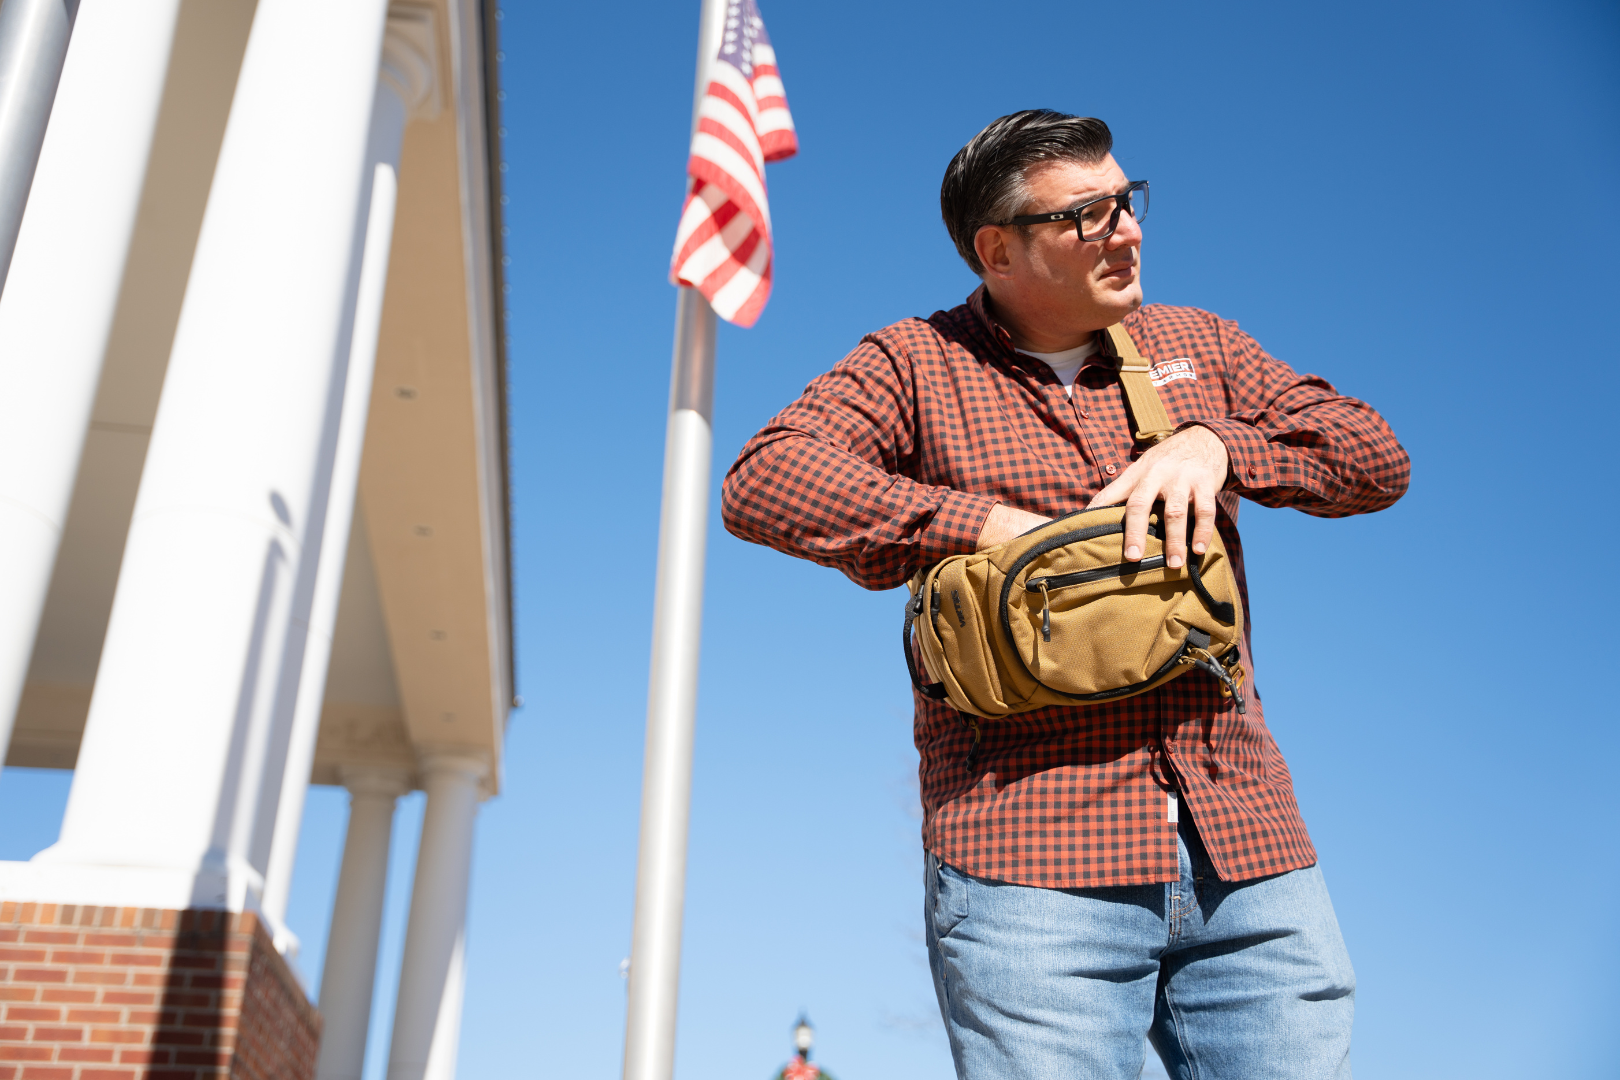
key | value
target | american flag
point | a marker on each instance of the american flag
(723, 245)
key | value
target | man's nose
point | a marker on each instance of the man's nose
(1126, 234)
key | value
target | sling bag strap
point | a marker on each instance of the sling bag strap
(1153, 424)
(914, 610)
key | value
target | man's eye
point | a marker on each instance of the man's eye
(1092, 214)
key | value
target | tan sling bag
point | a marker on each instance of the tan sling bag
(1053, 617)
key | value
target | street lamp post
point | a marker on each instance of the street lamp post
(803, 1036)
(800, 1067)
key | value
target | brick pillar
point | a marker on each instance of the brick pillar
(118, 993)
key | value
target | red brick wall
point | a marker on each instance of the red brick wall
(102, 993)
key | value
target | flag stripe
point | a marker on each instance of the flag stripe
(737, 182)
(700, 223)
(722, 104)
(749, 151)
(723, 243)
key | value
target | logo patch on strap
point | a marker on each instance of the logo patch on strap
(1171, 370)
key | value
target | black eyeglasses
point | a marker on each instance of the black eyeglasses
(1097, 220)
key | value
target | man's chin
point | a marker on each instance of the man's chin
(1123, 300)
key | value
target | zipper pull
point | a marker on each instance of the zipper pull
(973, 751)
(1231, 684)
(1046, 612)
(1234, 667)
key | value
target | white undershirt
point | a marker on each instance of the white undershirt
(1066, 364)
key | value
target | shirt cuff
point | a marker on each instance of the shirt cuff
(956, 525)
(1248, 455)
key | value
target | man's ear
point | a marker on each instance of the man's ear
(991, 244)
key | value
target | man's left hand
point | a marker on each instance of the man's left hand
(1187, 468)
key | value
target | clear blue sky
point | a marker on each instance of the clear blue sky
(1416, 201)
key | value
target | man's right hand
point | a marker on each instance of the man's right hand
(1005, 522)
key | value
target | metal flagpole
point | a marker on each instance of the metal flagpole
(33, 43)
(666, 782)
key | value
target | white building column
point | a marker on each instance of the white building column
(56, 311)
(350, 973)
(405, 87)
(427, 1014)
(179, 773)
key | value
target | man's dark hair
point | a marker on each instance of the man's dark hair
(984, 183)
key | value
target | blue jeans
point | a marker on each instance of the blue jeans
(1229, 980)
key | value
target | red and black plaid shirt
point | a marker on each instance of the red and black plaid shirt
(890, 462)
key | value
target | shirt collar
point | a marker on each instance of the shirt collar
(979, 302)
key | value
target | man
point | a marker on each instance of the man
(1136, 867)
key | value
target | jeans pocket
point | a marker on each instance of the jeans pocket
(950, 899)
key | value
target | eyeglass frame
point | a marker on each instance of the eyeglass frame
(1121, 201)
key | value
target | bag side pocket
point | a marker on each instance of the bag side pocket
(961, 630)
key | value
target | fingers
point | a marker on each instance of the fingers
(1115, 492)
(1184, 476)
(1204, 528)
(1175, 526)
(1136, 489)
(1133, 489)
(1137, 509)
(1005, 522)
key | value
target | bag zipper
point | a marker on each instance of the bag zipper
(1082, 577)
(1052, 543)
(1102, 573)
(1124, 691)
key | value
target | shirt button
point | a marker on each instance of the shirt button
(1111, 470)
(1253, 473)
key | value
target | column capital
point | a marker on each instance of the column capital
(378, 780)
(410, 59)
(467, 762)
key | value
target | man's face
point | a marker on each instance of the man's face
(1055, 285)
